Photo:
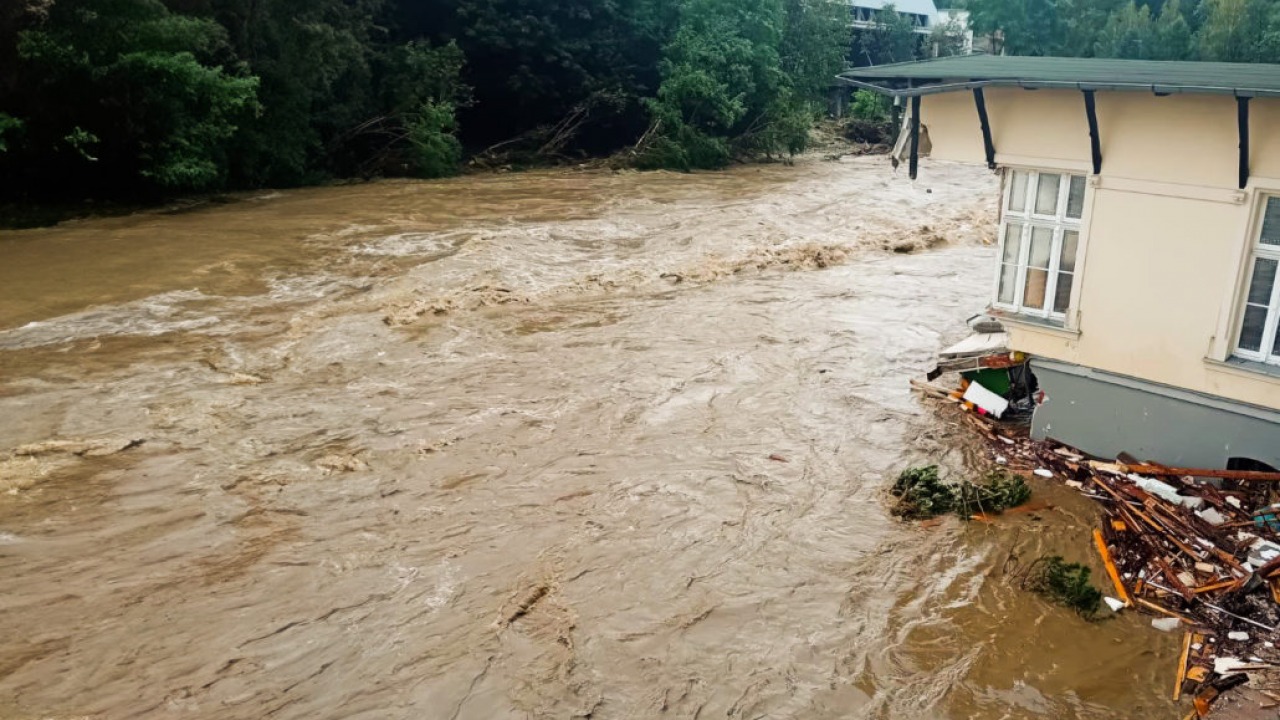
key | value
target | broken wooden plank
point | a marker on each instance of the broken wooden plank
(1146, 469)
(1163, 610)
(1111, 567)
(1182, 666)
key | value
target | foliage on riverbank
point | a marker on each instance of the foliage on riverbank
(1220, 30)
(148, 98)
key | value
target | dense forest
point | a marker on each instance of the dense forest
(149, 98)
(1216, 30)
(138, 97)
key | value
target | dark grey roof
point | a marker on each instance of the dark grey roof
(967, 71)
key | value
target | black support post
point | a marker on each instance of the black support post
(914, 164)
(1095, 143)
(1242, 122)
(987, 144)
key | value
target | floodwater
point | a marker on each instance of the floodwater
(549, 445)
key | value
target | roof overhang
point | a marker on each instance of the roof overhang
(962, 85)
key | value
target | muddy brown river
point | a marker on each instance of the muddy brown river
(561, 444)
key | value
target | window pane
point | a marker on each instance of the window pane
(1062, 293)
(1018, 192)
(1047, 194)
(1070, 239)
(1251, 332)
(1034, 289)
(1012, 242)
(1041, 246)
(1275, 346)
(1271, 223)
(1264, 276)
(1008, 281)
(1075, 197)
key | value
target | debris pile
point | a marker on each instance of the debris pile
(1198, 548)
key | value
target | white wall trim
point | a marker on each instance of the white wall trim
(1176, 190)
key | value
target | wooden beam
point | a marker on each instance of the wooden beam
(1162, 471)
(913, 165)
(987, 144)
(1242, 123)
(1095, 143)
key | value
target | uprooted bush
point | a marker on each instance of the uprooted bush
(1064, 582)
(922, 494)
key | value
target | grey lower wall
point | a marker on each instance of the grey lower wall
(1105, 414)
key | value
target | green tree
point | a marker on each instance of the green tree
(1081, 24)
(314, 58)
(1021, 27)
(1233, 30)
(892, 39)
(422, 86)
(1129, 33)
(125, 91)
(1173, 38)
(947, 39)
(815, 42)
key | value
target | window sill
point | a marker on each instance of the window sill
(1247, 368)
(1038, 324)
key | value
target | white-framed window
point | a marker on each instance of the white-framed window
(1039, 242)
(1259, 336)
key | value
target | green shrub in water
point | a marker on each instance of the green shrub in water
(995, 492)
(921, 494)
(1067, 583)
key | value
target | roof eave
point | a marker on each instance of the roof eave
(1157, 89)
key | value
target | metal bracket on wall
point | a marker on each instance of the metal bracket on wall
(1095, 143)
(1242, 123)
(981, 102)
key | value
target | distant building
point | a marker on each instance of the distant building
(1139, 241)
(923, 14)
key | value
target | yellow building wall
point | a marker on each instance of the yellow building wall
(1166, 229)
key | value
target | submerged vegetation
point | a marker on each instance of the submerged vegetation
(922, 494)
(1064, 582)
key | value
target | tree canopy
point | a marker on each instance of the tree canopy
(1219, 30)
(101, 97)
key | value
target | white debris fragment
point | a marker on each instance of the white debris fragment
(1262, 552)
(1044, 473)
(1233, 501)
(1197, 646)
(1268, 643)
(1165, 624)
(1002, 460)
(1076, 484)
(1206, 568)
(985, 399)
(1241, 636)
(1005, 440)
(1162, 490)
(1187, 578)
(1228, 665)
(1114, 604)
(1212, 516)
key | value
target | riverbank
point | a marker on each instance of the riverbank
(829, 139)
